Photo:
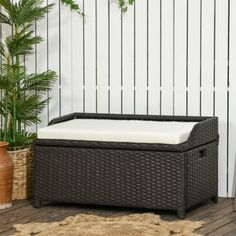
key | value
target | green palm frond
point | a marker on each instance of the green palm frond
(22, 44)
(24, 12)
(40, 82)
(5, 83)
(11, 76)
(4, 19)
(8, 6)
(23, 139)
(2, 50)
(1, 108)
(30, 11)
(29, 108)
(23, 94)
(10, 9)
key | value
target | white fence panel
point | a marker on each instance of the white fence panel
(180, 56)
(102, 56)
(193, 55)
(221, 89)
(207, 57)
(77, 62)
(90, 56)
(167, 57)
(115, 59)
(53, 54)
(65, 60)
(154, 57)
(128, 61)
(141, 57)
(232, 101)
(42, 62)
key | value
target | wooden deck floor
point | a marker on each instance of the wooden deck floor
(220, 218)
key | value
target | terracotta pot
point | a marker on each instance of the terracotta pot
(6, 177)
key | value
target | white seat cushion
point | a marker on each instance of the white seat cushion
(135, 131)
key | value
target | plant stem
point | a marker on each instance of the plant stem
(14, 96)
(6, 118)
(18, 95)
(14, 117)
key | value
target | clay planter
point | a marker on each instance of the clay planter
(6, 177)
(23, 177)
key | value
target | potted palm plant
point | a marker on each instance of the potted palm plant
(22, 97)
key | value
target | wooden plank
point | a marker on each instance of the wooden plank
(193, 54)
(215, 213)
(102, 56)
(208, 209)
(77, 61)
(141, 57)
(207, 57)
(115, 59)
(221, 90)
(229, 230)
(90, 57)
(53, 53)
(19, 214)
(214, 226)
(219, 217)
(232, 102)
(167, 58)
(180, 50)
(128, 61)
(66, 60)
(154, 57)
(17, 204)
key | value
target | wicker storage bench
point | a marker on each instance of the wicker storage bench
(130, 174)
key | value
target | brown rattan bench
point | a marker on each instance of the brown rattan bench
(143, 175)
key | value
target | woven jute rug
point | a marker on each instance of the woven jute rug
(146, 224)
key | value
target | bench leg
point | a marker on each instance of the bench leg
(37, 203)
(214, 199)
(181, 213)
(234, 202)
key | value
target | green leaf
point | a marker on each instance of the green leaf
(29, 11)
(4, 19)
(39, 82)
(73, 6)
(29, 109)
(11, 76)
(23, 94)
(7, 5)
(22, 44)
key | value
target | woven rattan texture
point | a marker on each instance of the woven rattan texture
(23, 177)
(126, 117)
(145, 179)
(202, 178)
(158, 176)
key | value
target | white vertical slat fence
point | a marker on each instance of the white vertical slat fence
(221, 88)
(168, 57)
(179, 57)
(232, 101)
(167, 54)
(154, 57)
(77, 62)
